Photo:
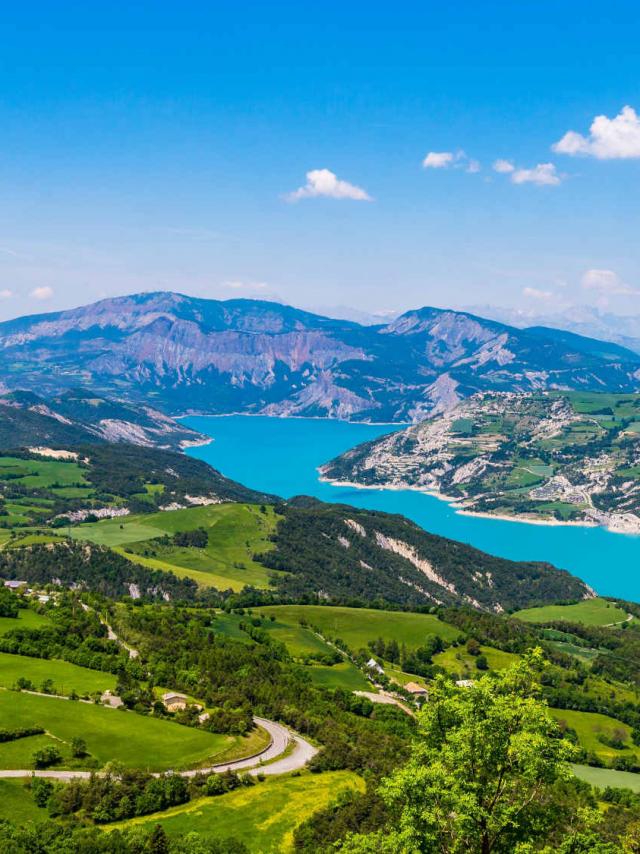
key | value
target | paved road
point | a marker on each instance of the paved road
(261, 763)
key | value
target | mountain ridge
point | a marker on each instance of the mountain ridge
(184, 354)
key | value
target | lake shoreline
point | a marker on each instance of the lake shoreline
(460, 509)
(283, 456)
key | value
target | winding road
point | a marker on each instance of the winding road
(293, 750)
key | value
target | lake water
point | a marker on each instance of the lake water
(281, 456)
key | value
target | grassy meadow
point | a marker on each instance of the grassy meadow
(589, 725)
(589, 612)
(236, 532)
(357, 626)
(458, 662)
(603, 777)
(344, 675)
(66, 677)
(26, 619)
(17, 804)
(135, 740)
(263, 816)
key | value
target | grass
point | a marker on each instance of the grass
(299, 640)
(27, 619)
(263, 816)
(229, 625)
(135, 740)
(66, 677)
(236, 533)
(588, 725)
(41, 472)
(589, 612)
(344, 675)
(17, 804)
(457, 661)
(357, 626)
(603, 777)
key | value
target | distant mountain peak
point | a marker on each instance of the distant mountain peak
(188, 354)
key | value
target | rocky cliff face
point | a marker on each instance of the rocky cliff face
(194, 355)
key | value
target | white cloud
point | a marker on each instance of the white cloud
(503, 166)
(544, 174)
(439, 159)
(609, 139)
(456, 159)
(607, 282)
(323, 182)
(6, 294)
(42, 293)
(536, 293)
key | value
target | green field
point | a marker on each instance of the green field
(66, 677)
(17, 804)
(603, 777)
(41, 472)
(263, 816)
(344, 675)
(590, 612)
(357, 626)
(135, 740)
(300, 641)
(588, 725)
(236, 533)
(458, 662)
(26, 619)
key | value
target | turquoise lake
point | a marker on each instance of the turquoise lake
(281, 455)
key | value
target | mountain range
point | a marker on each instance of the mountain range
(182, 355)
(623, 329)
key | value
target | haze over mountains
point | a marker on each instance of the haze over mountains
(623, 329)
(183, 354)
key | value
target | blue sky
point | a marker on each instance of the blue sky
(156, 145)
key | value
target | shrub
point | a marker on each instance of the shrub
(46, 756)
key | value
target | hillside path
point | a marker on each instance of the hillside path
(265, 762)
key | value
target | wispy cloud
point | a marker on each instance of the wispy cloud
(608, 283)
(451, 159)
(538, 294)
(6, 294)
(544, 174)
(608, 139)
(324, 183)
(42, 293)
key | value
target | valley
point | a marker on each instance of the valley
(205, 642)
